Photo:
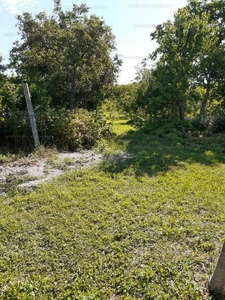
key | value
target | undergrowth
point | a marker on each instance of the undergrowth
(149, 227)
(56, 128)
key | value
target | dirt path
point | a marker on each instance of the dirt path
(29, 172)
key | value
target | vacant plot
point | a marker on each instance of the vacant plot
(147, 227)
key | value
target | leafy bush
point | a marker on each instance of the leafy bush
(209, 125)
(164, 128)
(59, 127)
(140, 117)
(218, 124)
(201, 125)
(72, 130)
(15, 131)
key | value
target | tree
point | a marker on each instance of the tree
(141, 71)
(192, 45)
(162, 94)
(68, 49)
(174, 66)
(206, 22)
(217, 282)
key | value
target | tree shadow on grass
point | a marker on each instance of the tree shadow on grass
(217, 297)
(151, 154)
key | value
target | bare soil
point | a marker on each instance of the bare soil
(29, 172)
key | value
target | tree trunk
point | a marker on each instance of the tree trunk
(204, 102)
(217, 282)
(182, 113)
(72, 93)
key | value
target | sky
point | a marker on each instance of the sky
(131, 22)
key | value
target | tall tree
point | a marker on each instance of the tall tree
(193, 45)
(173, 68)
(206, 23)
(68, 49)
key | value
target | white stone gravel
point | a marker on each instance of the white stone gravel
(43, 171)
(33, 172)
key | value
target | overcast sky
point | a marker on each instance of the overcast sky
(131, 21)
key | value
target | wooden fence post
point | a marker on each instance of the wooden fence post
(31, 114)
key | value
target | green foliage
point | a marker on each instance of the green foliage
(163, 128)
(120, 100)
(67, 55)
(66, 59)
(56, 127)
(218, 124)
(15, 131)
(189, 70)
(201, 125)
(72, 130)
(140, 116)
(142, 71)
(3, 158)
(11, 100)
(3, 68)
(209, 125)
(160, 95)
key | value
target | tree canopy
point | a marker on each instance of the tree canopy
(189, 62)
(69, 52)
(193, 45)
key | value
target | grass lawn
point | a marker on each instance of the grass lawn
(149, 227)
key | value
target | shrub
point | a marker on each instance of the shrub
(72, 130)
(204, 125)
(218, 124)
(15, 130)
(164, 128)
(58, 127)
(209, 125)
(140, 117)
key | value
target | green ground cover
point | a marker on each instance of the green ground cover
(149, 227)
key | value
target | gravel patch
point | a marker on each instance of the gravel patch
(30, 172)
